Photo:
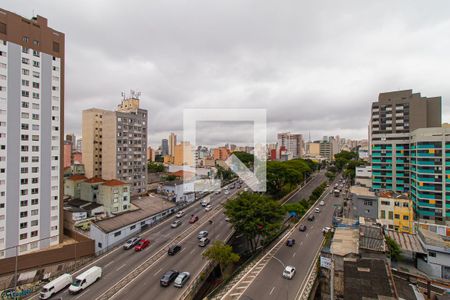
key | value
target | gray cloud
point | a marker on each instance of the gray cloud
(315, 67)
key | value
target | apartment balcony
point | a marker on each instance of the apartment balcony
(428, 146)
(426, 163)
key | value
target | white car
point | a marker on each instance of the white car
(326, 229)
(227, 192)
(179, 214)
(322, 203)
(289, 272)
(202, 234)
(317, 210)
(176, 223)
(208, 207)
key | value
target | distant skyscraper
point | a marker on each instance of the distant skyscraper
(292, 143)
(79, 143)
(394, 116)
(71, 139)
(172, 143)
(164, 147)
(31, 134)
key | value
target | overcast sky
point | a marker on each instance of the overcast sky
(314, 65)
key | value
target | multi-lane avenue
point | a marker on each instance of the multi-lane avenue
(118, 263)
(265, 280)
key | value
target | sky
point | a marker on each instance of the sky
(315, 66)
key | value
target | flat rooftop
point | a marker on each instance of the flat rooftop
(146, 207)
(433, 239)
(367, 279)
(361, 191)
(345, 241)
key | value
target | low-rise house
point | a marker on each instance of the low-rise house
(179, 191)
(363, 176)
(90, 187)
(365, 202)
(72, 186)
(436, 262)
(114, 195)
(114, 230)
(395, 211)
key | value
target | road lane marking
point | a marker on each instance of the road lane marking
(156, 273)
(121, 267)
(108, 264)
(192, 251)
(293, 255)
(271, 291)
(306, 235)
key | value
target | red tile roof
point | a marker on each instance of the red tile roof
(95, 180)
(114, 182)
(182, 173)
(77, 177)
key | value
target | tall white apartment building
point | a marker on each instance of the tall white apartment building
(31, 129)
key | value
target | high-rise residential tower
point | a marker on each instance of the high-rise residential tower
(172, 143)
(31, 134)
(430, 174)
(115, 144)
(394, 116)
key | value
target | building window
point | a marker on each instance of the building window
(99, 244)
(397, 216)
(383, 214)
(432, 254)
(117, 233)
(367, 203)
(132, 227)
(23, 236)
(391, 215)
(406, 218)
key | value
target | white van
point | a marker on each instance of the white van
(55, 286)
(85, 279)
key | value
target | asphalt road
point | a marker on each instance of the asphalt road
(118, 263)
(190, 258)
(269, 284)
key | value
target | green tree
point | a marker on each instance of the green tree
(394, 248)
(221, 254)
(155, 167)
(224, 174)
(246, 158)
(330, 175)
(255, 216)
(170, 178)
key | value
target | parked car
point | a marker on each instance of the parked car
(302, 227)
(311, 217)
(174, 249)
(203, 242)
(317, 210)
(85, 279)
(131, 243)
(227, 219)
(202, 234)
(179, 214)
(193, 219)
(168, 277)
(55, 286)
(217, 192)
(181, 279)
(245, 189)
(289, 272)
(176, 223)
(143, 243)
(322, 203)
(290, 242)
(208, 207)
(227, 192)
(326, 229)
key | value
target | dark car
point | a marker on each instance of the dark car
(302, 227)
(167, 278)
(311, 217)
(290, 242)
(174, 249)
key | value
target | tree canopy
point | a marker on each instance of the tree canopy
(155, 167)
(255, 216)
(283, 176)
(222, 254)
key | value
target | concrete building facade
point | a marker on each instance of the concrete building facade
(31, 135)
(393, 117)
(115, 144)
(430, 174)
(172, 143)
(293, 143)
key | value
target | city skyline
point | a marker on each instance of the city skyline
(294, 80)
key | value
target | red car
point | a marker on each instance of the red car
(143, 243)
(193, 219)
